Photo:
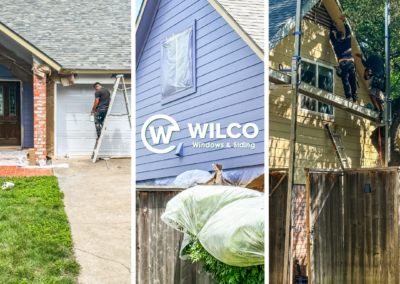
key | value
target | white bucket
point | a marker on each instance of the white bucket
(92, 118)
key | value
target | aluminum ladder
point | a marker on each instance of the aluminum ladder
(119, 80)
(338, 146)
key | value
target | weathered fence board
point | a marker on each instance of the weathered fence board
(371, 227)
(355, 232)
(277, 223)
(326, 224)
(157, 245)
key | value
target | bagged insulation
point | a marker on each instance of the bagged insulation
(235, 234)
(191, 209)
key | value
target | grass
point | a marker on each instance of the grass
(35, 237)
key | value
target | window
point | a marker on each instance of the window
(178, 65)
(12, 100)
(320, 77)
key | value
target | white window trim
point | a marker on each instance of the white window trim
(316, 80)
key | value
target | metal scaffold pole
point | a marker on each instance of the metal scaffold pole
(387, 111)
(296, 73)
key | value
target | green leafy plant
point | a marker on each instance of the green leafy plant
(223, 273)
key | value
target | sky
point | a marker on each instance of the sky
(138, 3)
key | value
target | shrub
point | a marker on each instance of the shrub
(223, 273)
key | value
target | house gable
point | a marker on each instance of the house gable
(314, 148)
(230, 88)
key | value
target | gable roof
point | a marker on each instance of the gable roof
(76, 34)
(282, 14)
(246, 17)
(247, 20)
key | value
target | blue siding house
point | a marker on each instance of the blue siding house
(47, 72)
(227, 83)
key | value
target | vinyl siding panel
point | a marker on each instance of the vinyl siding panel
(230, 88)
(314, 148)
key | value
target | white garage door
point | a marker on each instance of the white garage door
(76, 134)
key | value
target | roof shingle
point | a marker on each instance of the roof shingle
(249, 14)
(280, 12)
(77, 34)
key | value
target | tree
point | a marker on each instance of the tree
(367, 19)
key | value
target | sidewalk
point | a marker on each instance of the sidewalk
(98, 204)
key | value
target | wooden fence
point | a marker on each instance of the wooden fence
(326, 223)
(158, 245)
(356, 227)
(278, 185)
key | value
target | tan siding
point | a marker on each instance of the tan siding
(314, 149)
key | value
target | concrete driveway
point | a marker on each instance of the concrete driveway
(98, 204)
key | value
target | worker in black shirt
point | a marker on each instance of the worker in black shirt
(100, 107)
(342, 47)
(375, 73)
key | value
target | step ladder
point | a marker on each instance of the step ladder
(337, 143)
(119, 80)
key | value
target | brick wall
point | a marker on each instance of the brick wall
(39, 104)
(300, 230)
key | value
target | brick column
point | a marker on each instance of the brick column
(39, 104)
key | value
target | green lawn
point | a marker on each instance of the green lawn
(35, 237)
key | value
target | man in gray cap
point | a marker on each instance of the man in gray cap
(100, 107)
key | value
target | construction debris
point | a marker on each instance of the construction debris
(7, 185)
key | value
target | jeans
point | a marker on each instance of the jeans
(348, 68)
(99, 116)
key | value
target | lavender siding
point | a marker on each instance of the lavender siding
(230, 88)
(27, 107)
(27, 116)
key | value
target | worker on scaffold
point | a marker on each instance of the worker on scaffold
(347, 68)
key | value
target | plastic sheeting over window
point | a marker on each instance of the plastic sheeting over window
(177, 63)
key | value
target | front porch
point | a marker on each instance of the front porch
(23, 99)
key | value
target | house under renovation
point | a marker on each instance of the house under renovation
(50, 57)
(226, 84)
(321, 102)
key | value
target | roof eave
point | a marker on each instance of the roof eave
(35, 51)
(291, 23)
(101, 71)
(235, 25)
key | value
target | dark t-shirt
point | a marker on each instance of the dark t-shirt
(104, 99)
(342, 48)
(375, 64)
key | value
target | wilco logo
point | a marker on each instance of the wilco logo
(156, 137)
(201, 131)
